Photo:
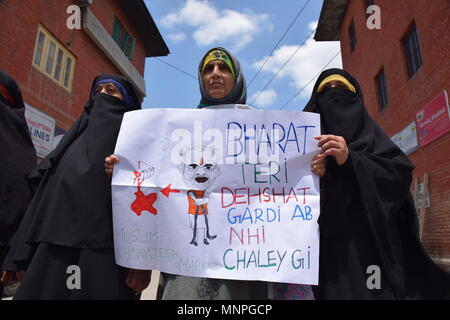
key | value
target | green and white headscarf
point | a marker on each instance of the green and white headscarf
(238, 94)
(218, 54)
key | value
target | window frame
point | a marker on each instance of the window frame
(50, 59)
(352, 36)
(70, 72)
(382, 91)
(44, 56)
(412, 51)
(41, 49)
(121, 37)
(58, 64)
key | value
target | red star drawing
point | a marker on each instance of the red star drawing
(144, 203)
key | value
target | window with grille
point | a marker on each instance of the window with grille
(125, 41)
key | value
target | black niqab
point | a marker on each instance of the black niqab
(368, 217)
(18, 158)
(72, 205)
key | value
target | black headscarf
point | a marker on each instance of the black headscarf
(17, 159)
(72, 204)
(13, 91)
(375, 180)
(237, 95)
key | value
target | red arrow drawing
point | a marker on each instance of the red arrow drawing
(166, 191)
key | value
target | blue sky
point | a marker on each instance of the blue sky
(250, 29)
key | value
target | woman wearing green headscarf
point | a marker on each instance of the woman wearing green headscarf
(222, 86)
(221, 80)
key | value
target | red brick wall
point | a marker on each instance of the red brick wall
(19, 21)
(377, 48)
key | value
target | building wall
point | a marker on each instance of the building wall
(377, 48)
(18, 31)
(105, 12)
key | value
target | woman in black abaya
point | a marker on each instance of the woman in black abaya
(369, 245)
(65, 242)
(18, 158)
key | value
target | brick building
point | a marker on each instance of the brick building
(54, 59)
(404, 71)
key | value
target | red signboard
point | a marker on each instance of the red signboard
(433, 120)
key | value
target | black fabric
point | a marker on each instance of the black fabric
(13, 90)
(49, 275)
(368, 217)
(238, 94)
(72, 204)
(3, 253)
(17, 159)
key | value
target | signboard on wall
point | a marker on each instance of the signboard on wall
(406, 139)
(42, 130)
(433, 120)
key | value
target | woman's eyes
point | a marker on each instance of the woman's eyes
(222, 67)
(342, 86)
(208, 69)
(108, 89)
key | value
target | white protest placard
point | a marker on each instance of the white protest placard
(218, 194)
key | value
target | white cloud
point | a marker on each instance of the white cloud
(305, 65)
(211, 25)
(264, 98)
(177, 37)
(194, 13)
